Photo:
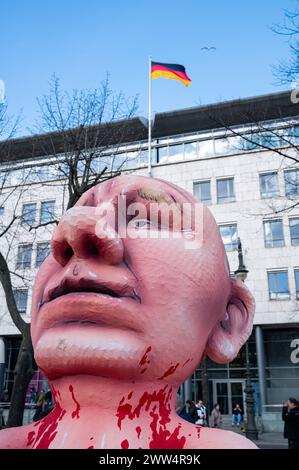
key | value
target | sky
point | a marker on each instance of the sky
(80, 41)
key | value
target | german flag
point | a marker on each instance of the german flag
(172, 71)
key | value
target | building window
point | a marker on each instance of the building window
(278, 285)
(47, 212)
(24, 256)
(269, 185)
(21, 296)
(190, 150)
(273, 231)
(229, 236)
(297, 283)
(202, 190)
(28, 214)
(294, 230)
(225, 190)
(291, 179)
(42, 251)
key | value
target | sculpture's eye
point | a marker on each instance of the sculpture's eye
(142, 223)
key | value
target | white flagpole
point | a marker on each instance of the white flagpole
(149, 168)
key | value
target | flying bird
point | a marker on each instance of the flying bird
(211, 48)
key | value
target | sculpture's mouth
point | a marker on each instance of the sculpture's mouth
(71, 286)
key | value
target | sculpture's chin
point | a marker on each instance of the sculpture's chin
(89, 349)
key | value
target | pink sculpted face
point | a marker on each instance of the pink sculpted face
(143, 307)
(136, 291)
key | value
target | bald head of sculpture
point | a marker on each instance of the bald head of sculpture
(137, 287)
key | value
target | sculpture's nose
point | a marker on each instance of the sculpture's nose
(82, 233)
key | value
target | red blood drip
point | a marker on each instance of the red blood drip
(30, 438)
(125, 444)
(130, 395)
(144, 360)
(75, 413)
(90, 447)
(157, 404)
(143, 370)
(164, 439)
(47, 429)
(169, 371)
(138, 430)
(198, 431)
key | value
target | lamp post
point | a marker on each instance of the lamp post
(251, 430)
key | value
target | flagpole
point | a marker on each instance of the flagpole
(149, 168)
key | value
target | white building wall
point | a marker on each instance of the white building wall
(247, 211)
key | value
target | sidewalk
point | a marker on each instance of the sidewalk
(271, 440)
(266, 440)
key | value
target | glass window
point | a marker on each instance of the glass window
(294, 230)
(162, 154)
(47, 212)
(190, 150)
(28, 214)
(202, 190)
(278, 285)
(225, 190)
(269, 185)
(24, 256)
(296, 272)
(176, 152)
(229, 236)
(143, 157)
(42, 251)
(206, 148)
(291, 179)
(228, 145)
(21, 296)
(273, 231)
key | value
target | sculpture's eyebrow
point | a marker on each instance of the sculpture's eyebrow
(148, 194)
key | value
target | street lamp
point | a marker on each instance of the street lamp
(251, 430)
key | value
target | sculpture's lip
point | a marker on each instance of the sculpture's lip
(85, 285)
(89, 310)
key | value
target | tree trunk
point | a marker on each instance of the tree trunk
(23, 374)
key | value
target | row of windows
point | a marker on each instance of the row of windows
(31, 213)
(269, 187)
(277, 283)
(24, 255)
(273, 233)
(167, 150)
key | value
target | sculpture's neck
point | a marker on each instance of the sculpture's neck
(79, 395)
(94, 412)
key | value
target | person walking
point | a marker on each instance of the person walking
(201, 413)
(216, 417)
(290, 416)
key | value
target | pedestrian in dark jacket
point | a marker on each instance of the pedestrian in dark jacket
(290, 416)
(188, 412)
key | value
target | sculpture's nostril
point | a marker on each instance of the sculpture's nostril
(92, 248)
(68, 252)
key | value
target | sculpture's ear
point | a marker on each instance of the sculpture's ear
(232, 331)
